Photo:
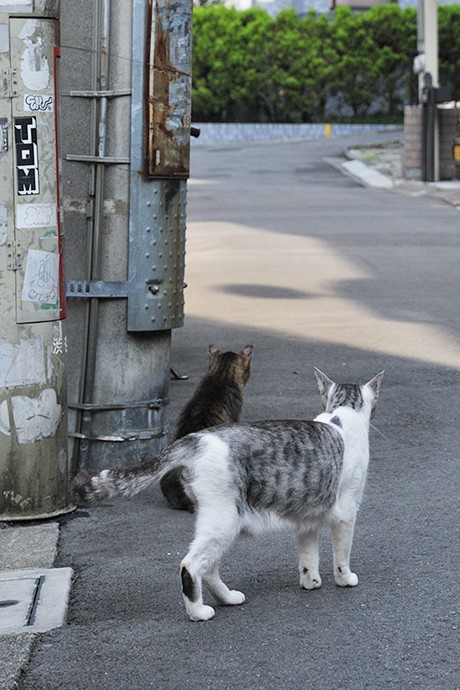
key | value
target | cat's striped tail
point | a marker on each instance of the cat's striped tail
(128, 482)
(109, 483)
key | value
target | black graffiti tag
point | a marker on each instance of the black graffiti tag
(36, 102)
(25, 135)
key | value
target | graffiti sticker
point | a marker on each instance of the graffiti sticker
(36, 215)
(3, 135)
(35, 102)
(25, 136)
(34, 67)
(59, 345)
(41, 277)
(3, 224)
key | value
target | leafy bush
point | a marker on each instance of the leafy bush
(251, 67)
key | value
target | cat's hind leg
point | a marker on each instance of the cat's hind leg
(342, 538)
(192, 589)
(193, 596)
(216, 528)
(219, 590)
(307, 544)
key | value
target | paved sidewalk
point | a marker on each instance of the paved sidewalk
(381, 167)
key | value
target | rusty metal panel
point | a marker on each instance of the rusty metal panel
(169, 87)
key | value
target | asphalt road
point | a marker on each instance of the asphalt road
(287, 253)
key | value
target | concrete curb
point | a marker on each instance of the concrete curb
(369, 176)
(386, 174)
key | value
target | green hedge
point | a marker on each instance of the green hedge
(251, 67)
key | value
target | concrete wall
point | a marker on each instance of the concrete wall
(412, 146)
(412, 151)
(216, 132)
(447, 124)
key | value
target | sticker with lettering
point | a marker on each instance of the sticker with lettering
(36, 215)
(35, 102)
(25, 136)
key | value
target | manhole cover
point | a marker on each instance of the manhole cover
(33, 600)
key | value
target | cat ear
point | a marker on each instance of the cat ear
(324, 385)
(323, 381)
(214, 354)
(247, 351)
(245, 355)
(374, 384)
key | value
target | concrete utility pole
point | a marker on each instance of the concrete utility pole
(427, 37)
(33, 343)
(427, 66)
(126, 73)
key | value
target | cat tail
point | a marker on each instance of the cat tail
(87, 489)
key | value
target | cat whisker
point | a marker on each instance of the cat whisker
(379, 432)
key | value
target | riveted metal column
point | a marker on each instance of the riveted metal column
(160, 141)
(132, 267)
(33, 342)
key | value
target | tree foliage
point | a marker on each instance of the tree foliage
(449, 48)
(251, 67)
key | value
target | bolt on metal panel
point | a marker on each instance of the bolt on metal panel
(156, 259)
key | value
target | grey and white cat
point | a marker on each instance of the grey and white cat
(245, 477)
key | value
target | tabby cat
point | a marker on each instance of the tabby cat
(218, 400)
(246, 476)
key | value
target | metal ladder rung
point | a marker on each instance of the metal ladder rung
(98, 94)
(96, 288)
(106, 160)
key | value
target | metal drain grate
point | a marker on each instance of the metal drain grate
(33, 600)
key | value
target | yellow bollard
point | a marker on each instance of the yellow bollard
(327, 130)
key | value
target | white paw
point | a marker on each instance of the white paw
(310, 580)
(235, 598)
(346, 578)
(201, 613)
